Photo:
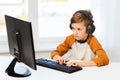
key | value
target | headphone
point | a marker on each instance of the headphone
(90, 28)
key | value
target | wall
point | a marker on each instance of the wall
(106, 16)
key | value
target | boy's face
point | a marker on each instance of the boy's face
(79, 31)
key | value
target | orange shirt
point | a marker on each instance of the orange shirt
(101, 56)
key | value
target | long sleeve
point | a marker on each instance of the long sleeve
(101, 56)
(64, 46)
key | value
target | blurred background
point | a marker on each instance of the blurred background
(50, 22)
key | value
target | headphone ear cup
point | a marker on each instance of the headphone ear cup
(90, 29)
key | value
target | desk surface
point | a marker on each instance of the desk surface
(109, 72)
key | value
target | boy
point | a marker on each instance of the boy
(85, 50)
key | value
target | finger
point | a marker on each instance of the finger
(69, 64)
(64, 61)
(61, 61)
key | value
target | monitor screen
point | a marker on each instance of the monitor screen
(20, 40)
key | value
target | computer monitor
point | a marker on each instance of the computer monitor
(20, 40)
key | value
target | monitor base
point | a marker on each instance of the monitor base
(19, 72)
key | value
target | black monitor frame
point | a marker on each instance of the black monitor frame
(20, 40)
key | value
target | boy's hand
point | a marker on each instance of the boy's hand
(71, 63)
(60, 59)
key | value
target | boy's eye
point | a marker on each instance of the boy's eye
(78, 29)
(72, 28)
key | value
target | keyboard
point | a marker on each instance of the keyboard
(54, 65)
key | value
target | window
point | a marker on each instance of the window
(54, 16)
(17, 8)
(54, 19)
(50, 18)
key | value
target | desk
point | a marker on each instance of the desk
(109, 72)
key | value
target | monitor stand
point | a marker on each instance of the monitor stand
(11, 70)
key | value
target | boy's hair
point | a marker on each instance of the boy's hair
(86, 17)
